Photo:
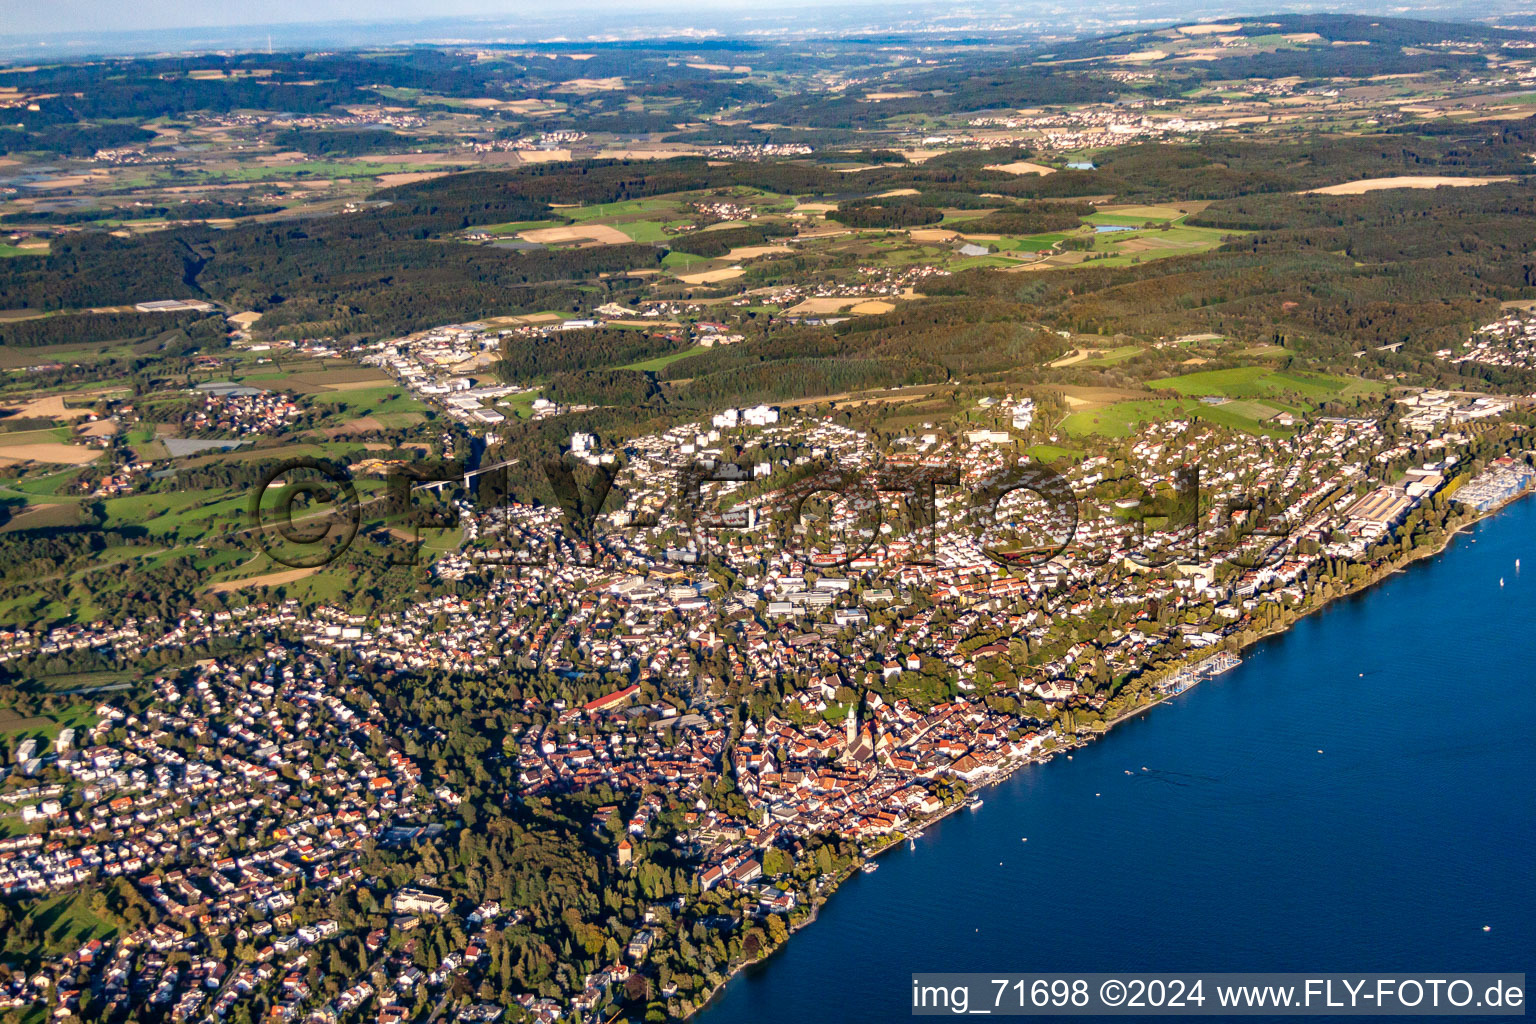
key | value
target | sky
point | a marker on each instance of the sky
(30, 29)
(21, 17)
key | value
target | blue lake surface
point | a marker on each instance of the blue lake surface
(1240, 847)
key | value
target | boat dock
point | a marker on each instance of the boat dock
(1187, 677)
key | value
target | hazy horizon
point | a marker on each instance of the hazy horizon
(76, 28)
(92, 16)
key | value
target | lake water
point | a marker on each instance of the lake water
(1240, 847)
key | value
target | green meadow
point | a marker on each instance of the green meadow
(1266, 383)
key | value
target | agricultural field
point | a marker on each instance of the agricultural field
(660, 362)
(513, 227)
(1137, 233)
(1098, 356)
(1244, 398)
(1122, 419)
(46, 726)
(1259, 382)
(1049, 453)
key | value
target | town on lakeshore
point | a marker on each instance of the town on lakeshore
(504, 532)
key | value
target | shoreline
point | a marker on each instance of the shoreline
(1361, 588)
(825, 892)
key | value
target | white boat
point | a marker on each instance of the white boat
(870, 868)
(975, 802)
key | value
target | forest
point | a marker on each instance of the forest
(310, 279)
(92, 328)
(197, 209)
(1322, 275)
(624, 388)
(358, 142)
(334, 272)
(69, 139)
(870, 213)
(525, 358)
(717, 243)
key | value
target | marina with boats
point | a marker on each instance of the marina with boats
(1192, 675)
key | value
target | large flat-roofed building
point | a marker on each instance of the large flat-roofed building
(1378, 510)
(608, 701)
(415, 901)
(173, 306)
